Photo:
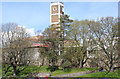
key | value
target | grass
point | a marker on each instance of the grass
(35, 69)
(26, 71)
(103, 74)
(71, 70)
(32, 69)
(0, 70)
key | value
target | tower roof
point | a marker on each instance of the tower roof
(57, 2)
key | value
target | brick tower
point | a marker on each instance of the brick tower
(56, 11)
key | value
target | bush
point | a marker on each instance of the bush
(9, 73)
(66, 64)
(52, 68)
(21, 71)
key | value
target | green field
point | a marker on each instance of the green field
(27, 70)
(103, 74)
(71, 70)
(0, 70)
(35, 69)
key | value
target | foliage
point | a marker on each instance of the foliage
(53, 41)
(35, 69)
(15, 46)
(52, 57)
(93, 39)
(105, 33)
(66, 64)
(103, 74)
(52, 68)
(78, 40)
(25, 70)
(71, 70)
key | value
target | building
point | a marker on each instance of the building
(56, 11)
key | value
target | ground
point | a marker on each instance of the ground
(34, 71)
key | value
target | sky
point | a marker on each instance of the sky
(36, 15)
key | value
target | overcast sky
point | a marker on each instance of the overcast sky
(36, 15)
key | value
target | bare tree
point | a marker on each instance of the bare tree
(105, 33)
(15, 46)
(79, 40)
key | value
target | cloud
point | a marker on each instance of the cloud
(29, 30)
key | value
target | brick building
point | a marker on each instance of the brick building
(56, 11)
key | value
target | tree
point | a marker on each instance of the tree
(80, 40)
(65, 23)
(40, 39)
(52, 40)
(55, 38)
(105, 33)
(15, 46)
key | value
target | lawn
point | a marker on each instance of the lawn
(26, 71)
(71, 70)
(35, 69)
(103, 74)
(0, 70)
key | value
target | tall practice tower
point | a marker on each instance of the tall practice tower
(56, 11)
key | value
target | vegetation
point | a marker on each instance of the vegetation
(35, 69)
(15, 49)
(78, 41)
(55, 39)
(105, 36)
(27, 70)
(103, 74)
(71, 70)
(72, 44)
(0, 72)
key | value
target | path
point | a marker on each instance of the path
(38, 74)
(64, 75)
(76, 74)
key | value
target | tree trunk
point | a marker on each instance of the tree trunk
(4, 69)
(63, 69)
(42, 61)
(82, 63)
(110, 68)
(15, 72)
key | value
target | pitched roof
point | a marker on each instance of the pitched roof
(36, 41)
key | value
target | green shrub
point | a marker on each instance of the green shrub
(66, 64)
(9, 74)
(52, 68)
